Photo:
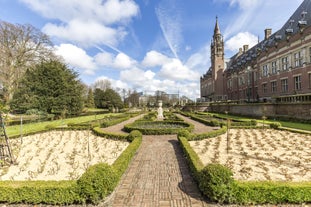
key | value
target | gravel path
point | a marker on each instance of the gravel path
(118, 127)
(199, 128)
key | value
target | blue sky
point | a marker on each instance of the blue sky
(147, 45)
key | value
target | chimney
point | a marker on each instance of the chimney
(267, 33)
(245, 48)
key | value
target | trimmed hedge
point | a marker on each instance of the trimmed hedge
(96, 183)
(101, 132)
(125, 158)
(210, 134)
(139, 125)
(193, 159)
(216, 182)
(272, 192)
(35, 192)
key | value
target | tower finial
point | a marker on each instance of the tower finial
(216, 30)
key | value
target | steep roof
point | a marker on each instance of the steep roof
(300, 18)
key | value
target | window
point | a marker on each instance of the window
(297, 82)
(298, 59)
(309, 80)
(284, 85)
(264, 88)
(285, 63)
(274, 67)
(265, 70)
(310, 53)
(273, 86)
(229, 83)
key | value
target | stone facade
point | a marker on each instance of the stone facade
(279, 66)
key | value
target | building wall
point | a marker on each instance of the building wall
(301, 111)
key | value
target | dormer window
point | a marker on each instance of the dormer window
(290, 29)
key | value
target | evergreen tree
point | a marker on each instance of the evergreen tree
(50, 87)
(90, 99)
(107, 99)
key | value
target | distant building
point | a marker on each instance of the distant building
(277, 68)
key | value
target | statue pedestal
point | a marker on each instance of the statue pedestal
(160, 116)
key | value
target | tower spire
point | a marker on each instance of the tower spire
(216, 30)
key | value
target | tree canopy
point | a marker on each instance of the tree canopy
(107, 99)
(49, 87)
(21, 47)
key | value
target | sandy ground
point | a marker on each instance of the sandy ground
(260, 154)
(59, 155)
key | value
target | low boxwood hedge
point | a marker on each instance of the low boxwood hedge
(97, 182)
(216, 182)
(155, 128)
(210, 134)
(35, 192)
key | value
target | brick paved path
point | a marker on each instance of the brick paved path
(158, 176)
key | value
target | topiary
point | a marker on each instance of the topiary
(275, 125)
(184, 133)
(134, 134)
(97, 182)
(217, 183)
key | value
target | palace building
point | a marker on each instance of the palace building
(276, 69)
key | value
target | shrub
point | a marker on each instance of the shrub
(275, 125)
(184, 133)
(134, 134)
(217, 183)
(97, 182)
(193, 159)
(35, 192)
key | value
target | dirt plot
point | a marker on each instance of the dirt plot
(59, 155)
(260, 154)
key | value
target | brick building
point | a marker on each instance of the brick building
(276, 69)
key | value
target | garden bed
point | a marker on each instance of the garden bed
(60, 155)
(259, 155)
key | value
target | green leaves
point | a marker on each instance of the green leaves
(50, 87)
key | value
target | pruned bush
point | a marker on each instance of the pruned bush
(184, 133)
(275, 125)
(217, 183)
(97, 182)
(134, 134)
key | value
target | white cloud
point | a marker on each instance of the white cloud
(104, 58)
(88, 22)
(76, 57)
(137, 76)
(242, 38)
(85, 33)
(119, 61)
(107, 12)
(154, 58)
(175, 70)
(200, 60)
(122, 61)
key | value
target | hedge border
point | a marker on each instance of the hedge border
(70, 192)
(246, 193)
(135, 126)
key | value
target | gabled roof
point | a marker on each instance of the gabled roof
(300, 18)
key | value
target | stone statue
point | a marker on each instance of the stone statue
(160, 111)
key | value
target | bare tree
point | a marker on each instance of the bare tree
(21, 46)
(102, 84)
